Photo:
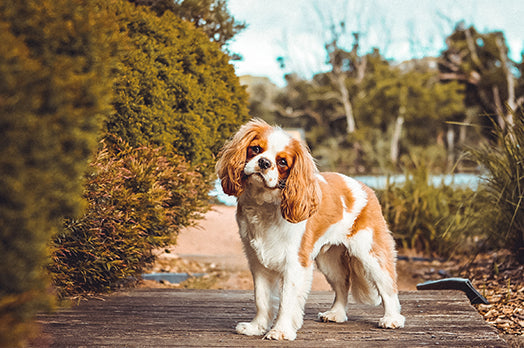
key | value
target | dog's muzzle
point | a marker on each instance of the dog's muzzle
(264, 163)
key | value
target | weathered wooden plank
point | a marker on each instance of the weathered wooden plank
(155, 318)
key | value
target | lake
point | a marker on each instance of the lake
(377, 182)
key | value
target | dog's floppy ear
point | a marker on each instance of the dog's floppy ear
(301, 194)
(232, 158)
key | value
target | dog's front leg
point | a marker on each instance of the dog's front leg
(296, 284)
(265, 300)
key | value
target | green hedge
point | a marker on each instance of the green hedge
(175, 90)
(70, 72)
(138, 200)
(174, 87)
(54, 91)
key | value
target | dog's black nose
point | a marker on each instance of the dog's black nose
(264, 163)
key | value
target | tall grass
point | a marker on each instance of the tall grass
(502, 191)
(445, 220)
(429, 218)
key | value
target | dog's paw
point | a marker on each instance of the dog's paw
(280, 334)
(250, 329)
(333, 315)
(392, 321)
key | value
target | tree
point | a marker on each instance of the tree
(341, 26)
(344, 65)
(211, 16)
(174, 88)
(408, 104)
(341, 60)
(177, 100)
(55, 90)
(481, 62)
(396, 108)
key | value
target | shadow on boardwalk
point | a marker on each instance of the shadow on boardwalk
(156, 318)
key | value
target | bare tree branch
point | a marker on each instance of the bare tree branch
(498, 106)
(290, 113)
(473, 50)
(511, 102)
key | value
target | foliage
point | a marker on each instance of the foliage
(174, 88)
(503, 189)
(432, 99)
(138, 200)
(429, 218)
(54, 91)
(211, 16)
(380, 96)
(480, 62)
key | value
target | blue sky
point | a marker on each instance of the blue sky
(401, 29)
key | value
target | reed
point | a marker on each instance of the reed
(502, 189)
(429, 218)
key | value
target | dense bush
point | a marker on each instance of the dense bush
(174, 88)
(502, 192)
(210, 16)
(138, 199)
(55, 57)
(432, 219)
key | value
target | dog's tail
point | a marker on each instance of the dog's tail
(363, 290)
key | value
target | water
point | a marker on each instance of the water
(377, 182)
(459, 180)
(221, 196)
(174, 278)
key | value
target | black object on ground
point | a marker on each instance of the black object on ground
(455, 284)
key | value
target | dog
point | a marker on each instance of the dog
(291, 216)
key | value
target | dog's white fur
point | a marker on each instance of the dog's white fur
(289, 215)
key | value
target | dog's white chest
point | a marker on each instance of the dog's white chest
(270, 252)
(274, 241)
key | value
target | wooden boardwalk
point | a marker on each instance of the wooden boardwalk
(201, 318)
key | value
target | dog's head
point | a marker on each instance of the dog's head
(265, 154)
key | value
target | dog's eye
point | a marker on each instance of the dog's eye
(256, 149)
(282, 162)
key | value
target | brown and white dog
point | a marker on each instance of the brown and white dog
(289, 216)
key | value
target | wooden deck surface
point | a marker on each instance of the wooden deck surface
(201, 318)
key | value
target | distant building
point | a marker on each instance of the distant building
(297, 133)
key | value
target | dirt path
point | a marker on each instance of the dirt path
(215, 242)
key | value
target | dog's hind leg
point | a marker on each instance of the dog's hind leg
(333, 262)
(375, 268)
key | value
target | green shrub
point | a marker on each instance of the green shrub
(445, 219)
(55, 57)
(502, 191)
(428, 218)
(138, 199)
(174, 88)
(211, 16)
